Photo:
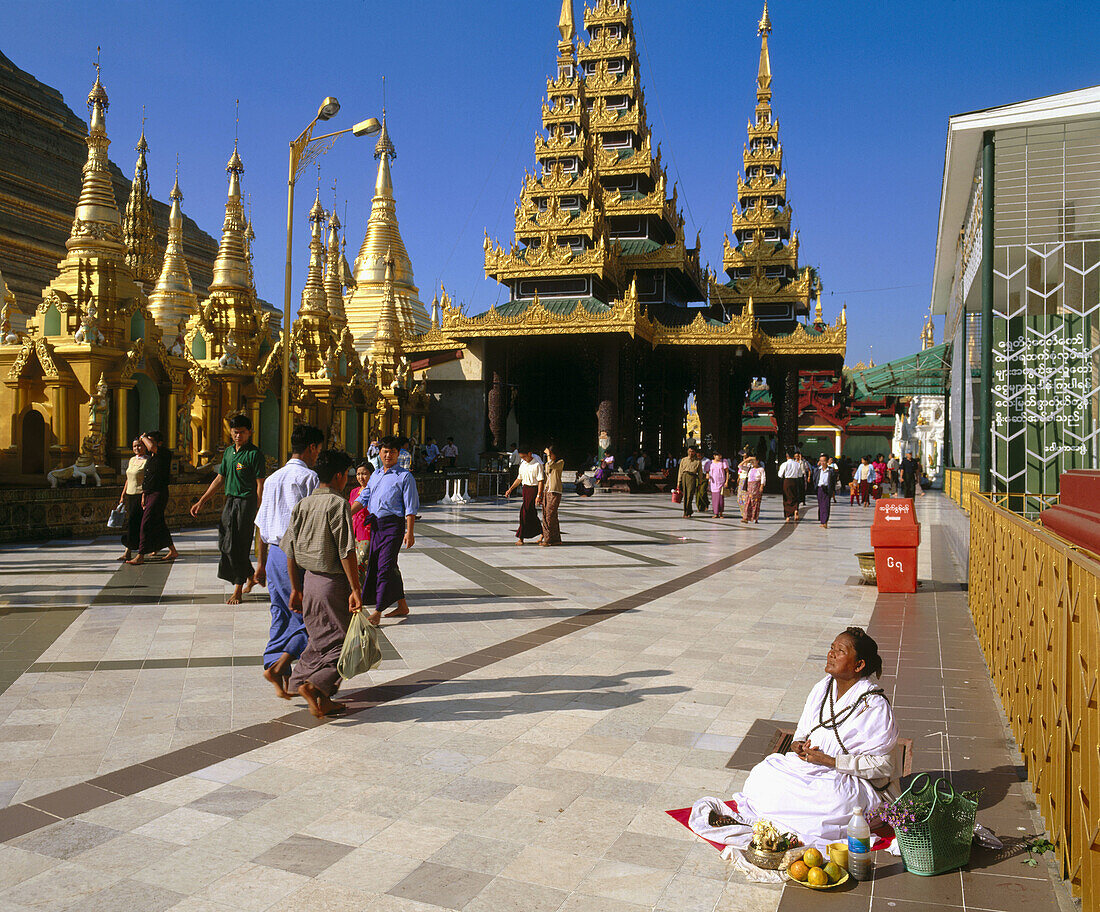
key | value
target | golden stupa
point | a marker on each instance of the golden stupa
(363, 305)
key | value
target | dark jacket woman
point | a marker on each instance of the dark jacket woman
(154, 530)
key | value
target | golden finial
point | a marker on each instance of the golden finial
(176, 194)
(764, 27)
(818, 318)
(142, 145)
(749, 309)
(97, 97)
(385, 145)
(844, 314)
(565, 22)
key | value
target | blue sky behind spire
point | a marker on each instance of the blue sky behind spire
(862, 92)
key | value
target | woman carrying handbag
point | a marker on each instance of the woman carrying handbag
(130, 499)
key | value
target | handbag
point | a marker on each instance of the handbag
(677, 496)
(117, 519)
(361, 651)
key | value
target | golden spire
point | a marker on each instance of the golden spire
(174, 298)
(764, 74)
(138, 232)
(231, 263)
(383, 237)
(565, 24)
(928, 334)
(819, 319)
(97, 228)
(385, 350)
(314, 303)
(334, 285)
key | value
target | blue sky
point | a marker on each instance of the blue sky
(862, 92)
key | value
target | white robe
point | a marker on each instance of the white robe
(812, 801)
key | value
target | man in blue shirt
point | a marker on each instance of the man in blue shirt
(391, 499)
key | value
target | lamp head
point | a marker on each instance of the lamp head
(367, 127)
(330, 107)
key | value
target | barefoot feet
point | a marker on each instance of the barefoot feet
(278, 673)
(235, 598)
(319, 703)
(374, 618)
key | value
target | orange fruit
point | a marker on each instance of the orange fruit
(833, 872)
(813, 858)
(817, 877)
(798, 870)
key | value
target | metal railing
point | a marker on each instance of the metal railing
(1035, 601)
(959, 484)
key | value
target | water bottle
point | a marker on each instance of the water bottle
(859, 847)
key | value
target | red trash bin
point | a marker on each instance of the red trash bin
(895, 535)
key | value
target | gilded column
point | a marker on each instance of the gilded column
(498, 412)
(170, 423)
(118, 404)
(607, 419)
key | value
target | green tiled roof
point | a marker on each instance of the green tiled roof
(560, 306)
(885, 421)
(926, 372)
(635, 246)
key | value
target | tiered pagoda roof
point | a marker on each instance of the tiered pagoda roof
(762, 259)
(597, 212)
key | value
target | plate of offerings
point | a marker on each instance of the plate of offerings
(810, 869)
(769, 847)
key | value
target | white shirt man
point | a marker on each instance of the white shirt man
(531, 471)
(792, 468)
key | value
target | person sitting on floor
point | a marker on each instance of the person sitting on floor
(842, 757)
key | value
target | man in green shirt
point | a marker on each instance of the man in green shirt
(242, 472)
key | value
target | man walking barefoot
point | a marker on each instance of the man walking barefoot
(392, 500)
(324, 576)
(532, 479)
(283, 490)
(242, 472)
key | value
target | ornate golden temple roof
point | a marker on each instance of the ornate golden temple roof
(138, 232)
(173, 301)
(363, 305)
(762, 259)
(599, 209)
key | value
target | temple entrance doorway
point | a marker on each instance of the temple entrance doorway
(34, 443)
(143, 408)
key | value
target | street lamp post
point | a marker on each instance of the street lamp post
(303, 150)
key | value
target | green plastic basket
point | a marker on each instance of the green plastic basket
(942, 840)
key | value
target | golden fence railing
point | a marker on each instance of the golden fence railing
(1035, 601)
(959, 484)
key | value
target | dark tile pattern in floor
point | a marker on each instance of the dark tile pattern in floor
(19, 819)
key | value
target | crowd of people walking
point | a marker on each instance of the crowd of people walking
(705, 483)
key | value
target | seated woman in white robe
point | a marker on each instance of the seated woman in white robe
(842, 757)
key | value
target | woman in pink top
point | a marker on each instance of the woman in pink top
(718, 477)
(360, 521)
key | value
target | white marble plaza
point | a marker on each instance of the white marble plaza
(529, 781)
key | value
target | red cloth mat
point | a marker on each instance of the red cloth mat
(884, 835)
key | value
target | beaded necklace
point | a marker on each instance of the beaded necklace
(833, 723)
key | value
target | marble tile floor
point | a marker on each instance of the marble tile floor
(517, 748)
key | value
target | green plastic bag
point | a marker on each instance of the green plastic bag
(361, 651)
